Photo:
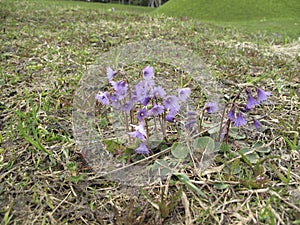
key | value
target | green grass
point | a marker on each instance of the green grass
(101, 6)
(46, 47)
(272, 16)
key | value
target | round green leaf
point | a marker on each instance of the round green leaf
(252, 157)
(179, 150)
(204, 144)
(259, 147)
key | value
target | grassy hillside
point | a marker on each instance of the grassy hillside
(232, 10)
(46, 49)
(269, 15)
(98, 5)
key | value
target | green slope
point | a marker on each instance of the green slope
(232, 10)
(280, 17)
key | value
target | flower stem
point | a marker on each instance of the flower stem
(147, 128)
(127, 126)
(201, 120)
(162, 125)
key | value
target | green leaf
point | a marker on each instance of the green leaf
(162, 167)
(236, 167)
(113, 145)
(291, 144)
(250, 158)
(225, 147)
(77, 178)
(71, 166)
(179, 150)
(279, 174)
(186, 180)
(204, 144)
(220, 186)
(259, 147)
(214, 130)
(175, 199)
(296, 222)
(103, 122)
(34, 142)
(235, 134)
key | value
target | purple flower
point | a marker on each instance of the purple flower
(139, 132)
(148, 84)
(244, 108)
(190, 123)
(119, 85)
(120, 88)
(256, 124)
(115, 101)
(158, 92)
(126, 107)
(142, 90)
(110, 73)
(251, 102)
(191, 113)
(262, 95)
(231, 114)
(157, 110)
(148, 72)
(142, 149)
(102, 97)
(183, 94)
(172, 103)
(142, 113)
(145, 101)
(239, 121)
(133, 97)
(170, 118)
(211, 107)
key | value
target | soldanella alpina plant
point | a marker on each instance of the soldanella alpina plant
(148, 109)
(141, 104)
(240, 110)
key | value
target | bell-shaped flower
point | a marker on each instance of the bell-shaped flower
(239, 120)
(231, 114)
(148, 72)
(142, 149)
(126, 107)
(103, 98)
(139, 132)
(262, 95)
(110, 73)
(172, 103)
(256, 124)
(183, 94)
(157, 110)
(158, 92)
(251, 102)
(142, 114)
(211, 107)
(115, 101)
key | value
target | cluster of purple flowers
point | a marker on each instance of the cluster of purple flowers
(143, 100)
(236, 113)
